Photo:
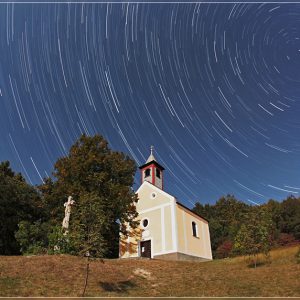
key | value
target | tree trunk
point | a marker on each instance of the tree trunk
(86, 276)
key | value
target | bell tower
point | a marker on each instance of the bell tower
(152, 171)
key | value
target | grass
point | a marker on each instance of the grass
(63, 275)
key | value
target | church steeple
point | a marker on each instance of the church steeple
(152, 171)
(151, 156)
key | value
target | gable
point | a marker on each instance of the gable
(151, 196)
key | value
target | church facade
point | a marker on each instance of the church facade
(168, 229)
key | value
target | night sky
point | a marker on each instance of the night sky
(214, 87)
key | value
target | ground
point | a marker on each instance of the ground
(63, 275)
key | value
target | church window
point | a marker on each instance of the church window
(153, 195)
(157, 173)
(145, 223)
(195, 229)
(147, 172)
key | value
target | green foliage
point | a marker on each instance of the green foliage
(52, 201)
(254, 236)
(225, 219)
(32, 237)
(275, 210)
(89, 223)
(60, 242)
(18, 202)
(100, 181)
(290, 216)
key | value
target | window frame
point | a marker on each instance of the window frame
(142, 222)
(195, 229)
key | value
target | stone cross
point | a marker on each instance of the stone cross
(67, 205)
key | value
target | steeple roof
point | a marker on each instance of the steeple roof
(151, 156)
(151, 159)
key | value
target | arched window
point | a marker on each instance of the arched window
(147, 172)
(195, 229)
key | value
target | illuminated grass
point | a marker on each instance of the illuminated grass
(63, 275)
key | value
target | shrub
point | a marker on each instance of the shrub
(285, 239)
(32, 238)
(60, 242)
(224, 250)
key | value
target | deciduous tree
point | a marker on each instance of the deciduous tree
(100, 181)
(18, 201)
(254, 236)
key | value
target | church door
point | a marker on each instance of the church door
(146, 249)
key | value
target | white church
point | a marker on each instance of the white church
(168, 229)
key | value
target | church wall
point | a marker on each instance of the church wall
(150, 196)
(160, 230)
(187, 243)
(153, 230)
(168, 229)
(182, 241)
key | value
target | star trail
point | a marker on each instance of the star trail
(214, 87)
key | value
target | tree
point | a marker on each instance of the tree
(274, 208)
(32, 237)
(225, 219)
(290, 216)
(18, 202)
(100, 181)
(254, 236)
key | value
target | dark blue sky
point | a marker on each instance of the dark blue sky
(214, 87)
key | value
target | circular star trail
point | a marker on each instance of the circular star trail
(214, 87)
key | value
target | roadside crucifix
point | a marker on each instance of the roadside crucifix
(67, 205)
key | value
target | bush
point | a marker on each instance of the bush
(33, 238)
(36, 249)
(60, 242)
(286, 239)
(224, 250)
(42, 238)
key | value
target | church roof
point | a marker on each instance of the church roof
(151, 159)
(190, 210)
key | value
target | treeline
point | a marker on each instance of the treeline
(231, 219)
(100, 182)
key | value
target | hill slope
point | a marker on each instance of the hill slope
(63, 275)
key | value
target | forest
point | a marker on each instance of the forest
(100, 181)
(229, 216)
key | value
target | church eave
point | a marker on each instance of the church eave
(150, 163)
(190, 210)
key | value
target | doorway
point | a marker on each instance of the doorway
(146, 248)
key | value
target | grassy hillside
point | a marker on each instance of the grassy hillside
(64, 276)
